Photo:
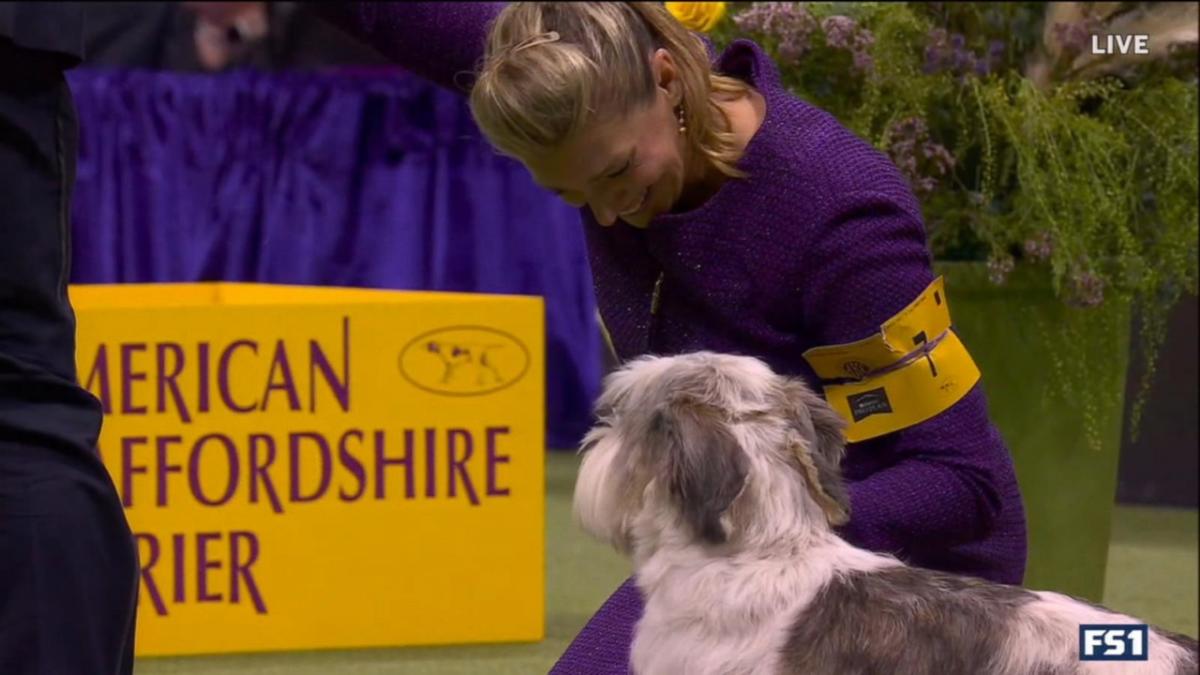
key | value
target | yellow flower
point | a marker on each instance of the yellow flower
(698, 16)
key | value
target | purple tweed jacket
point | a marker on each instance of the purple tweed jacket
(820, 245)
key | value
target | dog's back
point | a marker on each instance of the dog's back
(909, 621)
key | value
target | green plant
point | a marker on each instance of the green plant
(1024, 148)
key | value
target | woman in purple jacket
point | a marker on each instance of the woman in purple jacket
(722, 213)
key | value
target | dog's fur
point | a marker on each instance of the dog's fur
(720, 479)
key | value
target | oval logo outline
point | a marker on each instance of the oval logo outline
(527, 360)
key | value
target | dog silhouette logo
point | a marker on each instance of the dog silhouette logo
(464, 361)
(856, 369)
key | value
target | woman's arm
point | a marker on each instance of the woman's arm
(440, 41)
(943, 479)
(944, 490)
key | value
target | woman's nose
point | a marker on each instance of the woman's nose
(609, 206)
(605, 215)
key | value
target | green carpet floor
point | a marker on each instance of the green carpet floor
(1152, 573)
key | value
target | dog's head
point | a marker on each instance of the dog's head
(707, 448)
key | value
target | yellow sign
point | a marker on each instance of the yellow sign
(915, 368)
(309, 468)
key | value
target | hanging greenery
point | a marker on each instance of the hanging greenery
(1024, 147)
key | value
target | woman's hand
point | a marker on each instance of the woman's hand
(224, 30)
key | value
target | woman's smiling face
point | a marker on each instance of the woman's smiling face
(630, 168)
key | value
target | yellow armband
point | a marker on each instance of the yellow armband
(915, 368)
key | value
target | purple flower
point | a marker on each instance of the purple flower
(1039, 247)
(935, 51)
(995, 51)
(913, 127)
(1087, 290)
(792, 47)
(999, 268)
(842, 32)
(839, 31)
(863, 61)
(921, 160)
(789, 23)
(948, 52)
(792, 26)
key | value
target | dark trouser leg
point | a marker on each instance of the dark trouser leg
(68, 564)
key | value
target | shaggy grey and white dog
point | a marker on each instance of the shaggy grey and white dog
(720, 479)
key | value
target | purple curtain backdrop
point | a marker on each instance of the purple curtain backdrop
(373, 179)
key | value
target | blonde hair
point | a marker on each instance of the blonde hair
(552, 67)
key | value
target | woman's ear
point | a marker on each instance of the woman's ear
(666, 75)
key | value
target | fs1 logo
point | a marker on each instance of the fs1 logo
(1114, 642)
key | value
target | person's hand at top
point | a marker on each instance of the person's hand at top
(224, 30)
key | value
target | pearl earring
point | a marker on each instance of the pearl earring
(682, 123)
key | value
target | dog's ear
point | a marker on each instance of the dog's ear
(705, 466)
(820, 448)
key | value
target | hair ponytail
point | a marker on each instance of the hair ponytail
(551, 67)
